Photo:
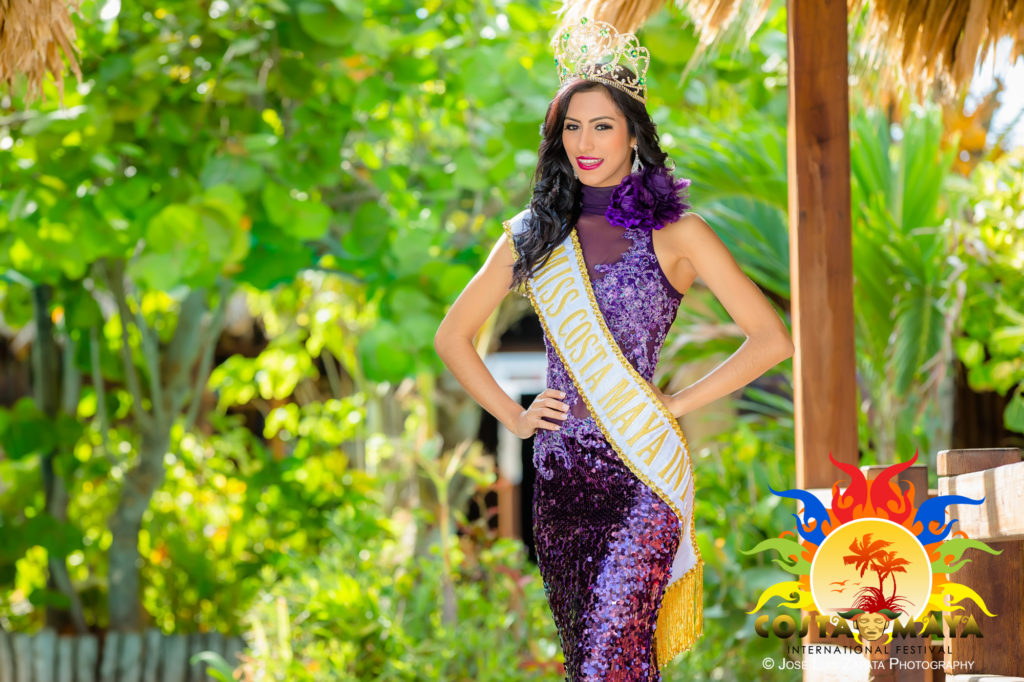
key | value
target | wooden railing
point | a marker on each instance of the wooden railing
(997, 474)
(120, 657)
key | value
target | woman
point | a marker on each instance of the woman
(608, 537)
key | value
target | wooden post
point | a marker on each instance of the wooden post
(175, 654)
(997, 474)
(21, 643)
(508, 518)
(154, 653)
(820, 243)
(44, 655)
(6, 657)
(87, 653)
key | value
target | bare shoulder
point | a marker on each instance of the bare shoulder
(504, 253)
(689, 224)
(689, 236)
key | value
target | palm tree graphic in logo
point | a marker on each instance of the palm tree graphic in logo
(873, 610)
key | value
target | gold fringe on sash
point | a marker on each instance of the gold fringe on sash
(681, 616)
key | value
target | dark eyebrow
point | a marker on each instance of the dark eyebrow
(598, 118)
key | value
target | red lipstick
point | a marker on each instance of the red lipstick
(588, 162)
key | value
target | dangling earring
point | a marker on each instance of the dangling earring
(636, 160)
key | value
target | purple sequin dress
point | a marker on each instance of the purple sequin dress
(605, 541)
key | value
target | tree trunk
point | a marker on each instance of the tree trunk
(172, 381)
(47, 387)
(125, 596)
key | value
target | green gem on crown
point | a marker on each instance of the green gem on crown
(583, 20)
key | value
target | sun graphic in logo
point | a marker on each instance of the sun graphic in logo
(871, 571)
(872, 557)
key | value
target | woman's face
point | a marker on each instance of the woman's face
(596, 139)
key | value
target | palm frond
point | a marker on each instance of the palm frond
(914, 44)
(37, 36)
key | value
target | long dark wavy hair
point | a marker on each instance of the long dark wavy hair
(555, 205)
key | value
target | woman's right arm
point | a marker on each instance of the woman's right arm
(454, 344)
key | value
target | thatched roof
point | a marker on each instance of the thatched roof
(35, 38)
(937, 43)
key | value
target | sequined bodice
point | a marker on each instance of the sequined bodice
(636, 299)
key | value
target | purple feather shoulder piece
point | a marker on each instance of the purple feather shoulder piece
(648, 200)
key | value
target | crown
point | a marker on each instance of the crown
(593, 50)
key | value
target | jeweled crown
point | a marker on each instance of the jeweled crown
(594, 49)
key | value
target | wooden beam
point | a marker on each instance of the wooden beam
(999, 579)
(1001, 516)
(821, 261)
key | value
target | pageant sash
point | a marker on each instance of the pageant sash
(639, 427)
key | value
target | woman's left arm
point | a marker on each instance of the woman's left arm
(768, 341)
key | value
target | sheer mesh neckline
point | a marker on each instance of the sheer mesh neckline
(595, 200)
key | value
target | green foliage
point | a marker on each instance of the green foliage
(902, 196)
(992, 251)
(217, 668)
(365, 609)
(26, 431)
(739, 187)
(242, 142)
